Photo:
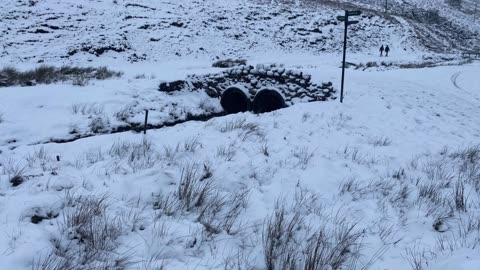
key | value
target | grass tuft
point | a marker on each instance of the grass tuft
(10, 76)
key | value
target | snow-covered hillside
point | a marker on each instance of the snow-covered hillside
(389, 179)
(71, 31)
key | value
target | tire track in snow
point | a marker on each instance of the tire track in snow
(454, 80)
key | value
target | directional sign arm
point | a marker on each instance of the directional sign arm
(352, 22)
(354, 13)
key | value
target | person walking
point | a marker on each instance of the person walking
(381, 51)
(387, 49)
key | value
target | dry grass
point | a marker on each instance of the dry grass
(289, 244)
(198, 195)
(88, 237)
(10, 76)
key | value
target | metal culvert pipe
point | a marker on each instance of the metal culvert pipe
(268, 100)
(234, 100)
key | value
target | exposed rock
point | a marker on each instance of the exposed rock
(177, 24)
(172, 86)
(17, 180)
(42, 215)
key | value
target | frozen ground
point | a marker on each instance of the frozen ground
(386, 160)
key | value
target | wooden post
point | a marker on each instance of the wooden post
(146, 121)
(344, 55)
(475, 13)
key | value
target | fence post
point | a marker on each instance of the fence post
(146, 121)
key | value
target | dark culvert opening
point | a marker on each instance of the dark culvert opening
(267, 100)
(234, 100)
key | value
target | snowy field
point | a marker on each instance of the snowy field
(387, 180)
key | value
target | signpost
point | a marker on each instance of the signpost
(347, 22)
(475, 13)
